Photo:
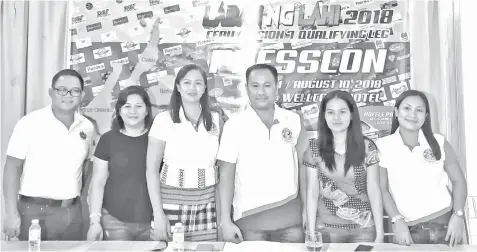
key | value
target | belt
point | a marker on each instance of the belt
(49, 202)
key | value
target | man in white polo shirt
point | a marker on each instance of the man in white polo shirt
(260, 152)
(44, 168)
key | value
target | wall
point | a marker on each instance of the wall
(469, 55)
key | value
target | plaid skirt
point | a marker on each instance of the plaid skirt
(194, 208)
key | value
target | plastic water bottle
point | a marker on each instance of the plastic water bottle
(34, 236)
(178, 237)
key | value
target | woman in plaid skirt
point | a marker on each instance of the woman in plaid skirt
(186, 139)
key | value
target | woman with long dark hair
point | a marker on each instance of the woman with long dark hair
(186, 139)
(343, 176)
(119, 202)
(417, 165)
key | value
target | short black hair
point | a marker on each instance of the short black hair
(118, 122)
(67, 72)
(262, 66)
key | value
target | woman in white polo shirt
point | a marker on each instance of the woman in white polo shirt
(343, 176)
(186, 138)
(417, 167)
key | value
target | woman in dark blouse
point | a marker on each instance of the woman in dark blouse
(119, 201)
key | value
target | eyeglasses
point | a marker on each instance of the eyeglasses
(75, 92)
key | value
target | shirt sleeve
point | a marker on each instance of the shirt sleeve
(372, 156)
(385, 155)
(160, 128)
(102, 149)
(19, 141)
(228, 149)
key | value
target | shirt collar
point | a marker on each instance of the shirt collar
(421, 138)
(277, 114)
(183, 117)
(77, 118)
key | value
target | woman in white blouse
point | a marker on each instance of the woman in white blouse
(417, 167)
(186, 138)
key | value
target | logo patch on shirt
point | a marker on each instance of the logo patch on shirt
(82, 135)
(287, 135)
(429, 156)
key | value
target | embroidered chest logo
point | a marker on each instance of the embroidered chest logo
(429, 156)
(82, 135)
(287, 135)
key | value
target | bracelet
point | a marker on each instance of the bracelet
(95, 214)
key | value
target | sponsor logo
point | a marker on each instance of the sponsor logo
(154, 2)
(197, 3)
(137, 30)
(102, 52)
(74, 32)
(147, 14)
(398, 89)
(93, 27)
(121, 20)
(389, 5)
(83, 42)
(203, 43)
(175, 50)
(130, 46)
(361, 2)
(103, 13)
(122, 61)
(95, 68)
(227, 81)
(87, 80)
(77, 58)
(130, 7)
(108, 37)
(184, 32)
(172, 8)
(96, 90)
(78, 20)
(396, 47)
(379, 44)
(403, 57)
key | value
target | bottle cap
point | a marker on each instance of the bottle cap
(35, 221)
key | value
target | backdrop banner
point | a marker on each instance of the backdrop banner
(359, 46)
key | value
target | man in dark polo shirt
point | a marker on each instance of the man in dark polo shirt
(47, 150)
(259, 155)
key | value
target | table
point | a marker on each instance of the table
(218, 246)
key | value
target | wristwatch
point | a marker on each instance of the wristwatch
(459, 213)
(396, 218)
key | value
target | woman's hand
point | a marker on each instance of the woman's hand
(455, 230)
(402, 234)
(162, 228)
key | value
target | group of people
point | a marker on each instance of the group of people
(256, 176)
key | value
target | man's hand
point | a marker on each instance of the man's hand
(11, 225)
